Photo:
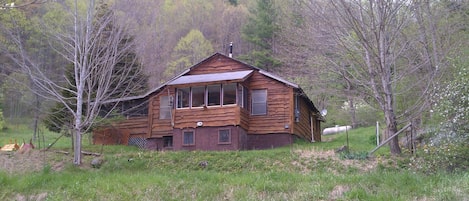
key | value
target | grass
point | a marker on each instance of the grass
(302, 171)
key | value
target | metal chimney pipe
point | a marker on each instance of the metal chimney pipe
(231, 50)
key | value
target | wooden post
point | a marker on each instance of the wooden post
(346, 132)
(377, 133)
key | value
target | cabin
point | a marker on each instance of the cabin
(219, 104)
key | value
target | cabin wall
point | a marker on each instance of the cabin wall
(279, 106)
(303, 127)
(220, 64)
(269, 141)
(206, 138)
(159, 127)
(209, 116)
(120, 132)
(317, 129)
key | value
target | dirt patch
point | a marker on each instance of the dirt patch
(31, 161)
(38, 197)
(314, 155)
(338, 192)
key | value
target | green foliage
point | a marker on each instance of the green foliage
(362, 155)
(17, 97)
(60, 116)
(190, 49)
(2, 120)
(233, 2)
(449, 157)
(260, 30)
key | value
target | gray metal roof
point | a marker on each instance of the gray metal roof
(213, 77)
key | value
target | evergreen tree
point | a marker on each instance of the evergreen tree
(260, 31)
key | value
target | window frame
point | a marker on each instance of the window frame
(167, 107)
(222, 94)
(204, 97)
(179, 103)
(296, 110)
(238, 90)
(168, 141)
(184, 137)
(219, 136)
(253, 102)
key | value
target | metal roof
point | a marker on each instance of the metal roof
(213, 77)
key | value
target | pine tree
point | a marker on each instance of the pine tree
(260, 31)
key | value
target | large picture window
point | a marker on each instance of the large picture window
(188, 138)
(259, 102)
(183, 97)
(229, 94)
(165, 107)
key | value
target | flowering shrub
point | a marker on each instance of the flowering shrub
(449, 157)
(448, 148)
(451, 102)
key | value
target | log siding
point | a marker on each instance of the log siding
(276, 128)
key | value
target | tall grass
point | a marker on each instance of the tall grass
(286, 173)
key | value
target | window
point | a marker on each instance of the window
(183, 97)
(229, 94)
(297, 109)
(167, 141)
(242, 96)
(198, 96)
(188, 138)
(213, 95)
(259, 102)
(165, 107)
(224, 136)
(245, 97)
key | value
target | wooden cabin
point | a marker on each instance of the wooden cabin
(222, 104)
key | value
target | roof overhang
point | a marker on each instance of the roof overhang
(236, 76)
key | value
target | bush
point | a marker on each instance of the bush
(448, 157)
(354, 155)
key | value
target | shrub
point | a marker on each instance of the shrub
(449, 157)
(354, 155)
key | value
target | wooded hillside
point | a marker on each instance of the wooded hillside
(363, 61)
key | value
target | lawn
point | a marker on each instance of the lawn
(302, 171)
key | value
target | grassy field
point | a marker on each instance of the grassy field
(302, 171)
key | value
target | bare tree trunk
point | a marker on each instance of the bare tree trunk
(36, 116)
(391, 129)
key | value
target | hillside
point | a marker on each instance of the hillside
(302, 171)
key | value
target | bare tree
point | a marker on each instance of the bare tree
(101, 69)
(8, 4)
(376, 47)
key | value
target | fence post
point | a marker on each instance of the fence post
(377, 133)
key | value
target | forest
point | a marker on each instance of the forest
(395, 62)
